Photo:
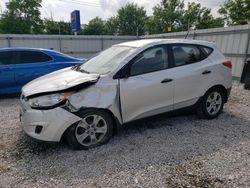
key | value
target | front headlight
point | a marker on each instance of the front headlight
(47, 101)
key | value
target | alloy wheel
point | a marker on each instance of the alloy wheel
(214, 103)
(91, 130)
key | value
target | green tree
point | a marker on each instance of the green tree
(168, 14)
(198, 17)
(54, 27)
(22, 17)
(112, 26)
(236, 12)
(131, 20)
(95, 26)
(151, 26)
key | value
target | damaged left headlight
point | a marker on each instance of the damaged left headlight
(48, 101)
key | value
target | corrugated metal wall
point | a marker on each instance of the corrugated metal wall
(232, 41)
(78, 46)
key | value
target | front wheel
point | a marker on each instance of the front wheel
(211, 104)
(94, 129)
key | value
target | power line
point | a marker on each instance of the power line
(81, 3)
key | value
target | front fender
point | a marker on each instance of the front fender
(103, 95)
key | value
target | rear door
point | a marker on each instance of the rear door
(149, 88)
(7, 80)
(31, 65)
(192, 72)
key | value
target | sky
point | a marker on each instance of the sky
(60, 9)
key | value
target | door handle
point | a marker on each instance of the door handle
(166, 80)
(207, 72)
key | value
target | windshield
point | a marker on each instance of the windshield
(108, 60)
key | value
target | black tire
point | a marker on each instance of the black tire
(202, 109)
(247, 86)
(71, 133)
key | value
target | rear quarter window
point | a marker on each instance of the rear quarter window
(207, 50)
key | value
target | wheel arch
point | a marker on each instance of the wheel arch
(115, 121)
(223, 89)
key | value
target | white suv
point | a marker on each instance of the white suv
(126, 82)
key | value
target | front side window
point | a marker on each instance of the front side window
(33, 57)
(186, 54)
(6, 58)
(151, 60)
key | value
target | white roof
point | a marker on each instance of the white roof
(150, 42)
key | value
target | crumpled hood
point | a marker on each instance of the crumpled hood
(58, 81)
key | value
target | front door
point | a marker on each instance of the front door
(149, 88)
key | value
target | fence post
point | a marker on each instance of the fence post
(247, 47)
(102, 43)
(194, 36)
(9, 42)
(60, 43)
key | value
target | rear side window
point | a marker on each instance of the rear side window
(6, 58)
(186, 54)
(33, 57)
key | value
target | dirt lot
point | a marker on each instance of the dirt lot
(180, 151)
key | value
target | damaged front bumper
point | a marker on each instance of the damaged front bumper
(46, 125)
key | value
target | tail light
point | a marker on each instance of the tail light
(227, 64)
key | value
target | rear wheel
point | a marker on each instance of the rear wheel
(211, 104)
(94, 129)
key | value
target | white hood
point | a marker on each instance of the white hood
(57, 81)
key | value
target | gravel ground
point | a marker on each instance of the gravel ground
(179, 151)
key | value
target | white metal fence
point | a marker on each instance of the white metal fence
(232, 41)
(78, 46)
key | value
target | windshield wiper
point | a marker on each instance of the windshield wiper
(83, 71)
(79, 69)
(76, 67)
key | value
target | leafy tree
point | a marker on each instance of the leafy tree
(171, 13)
(96, 26)
(131, 20)
(151, 26)
(168, 14)
(112, 26)
(236, 12)
(198, 17)
(22, 16)
(53, 27)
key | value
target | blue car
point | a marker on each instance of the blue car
(19, 66)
